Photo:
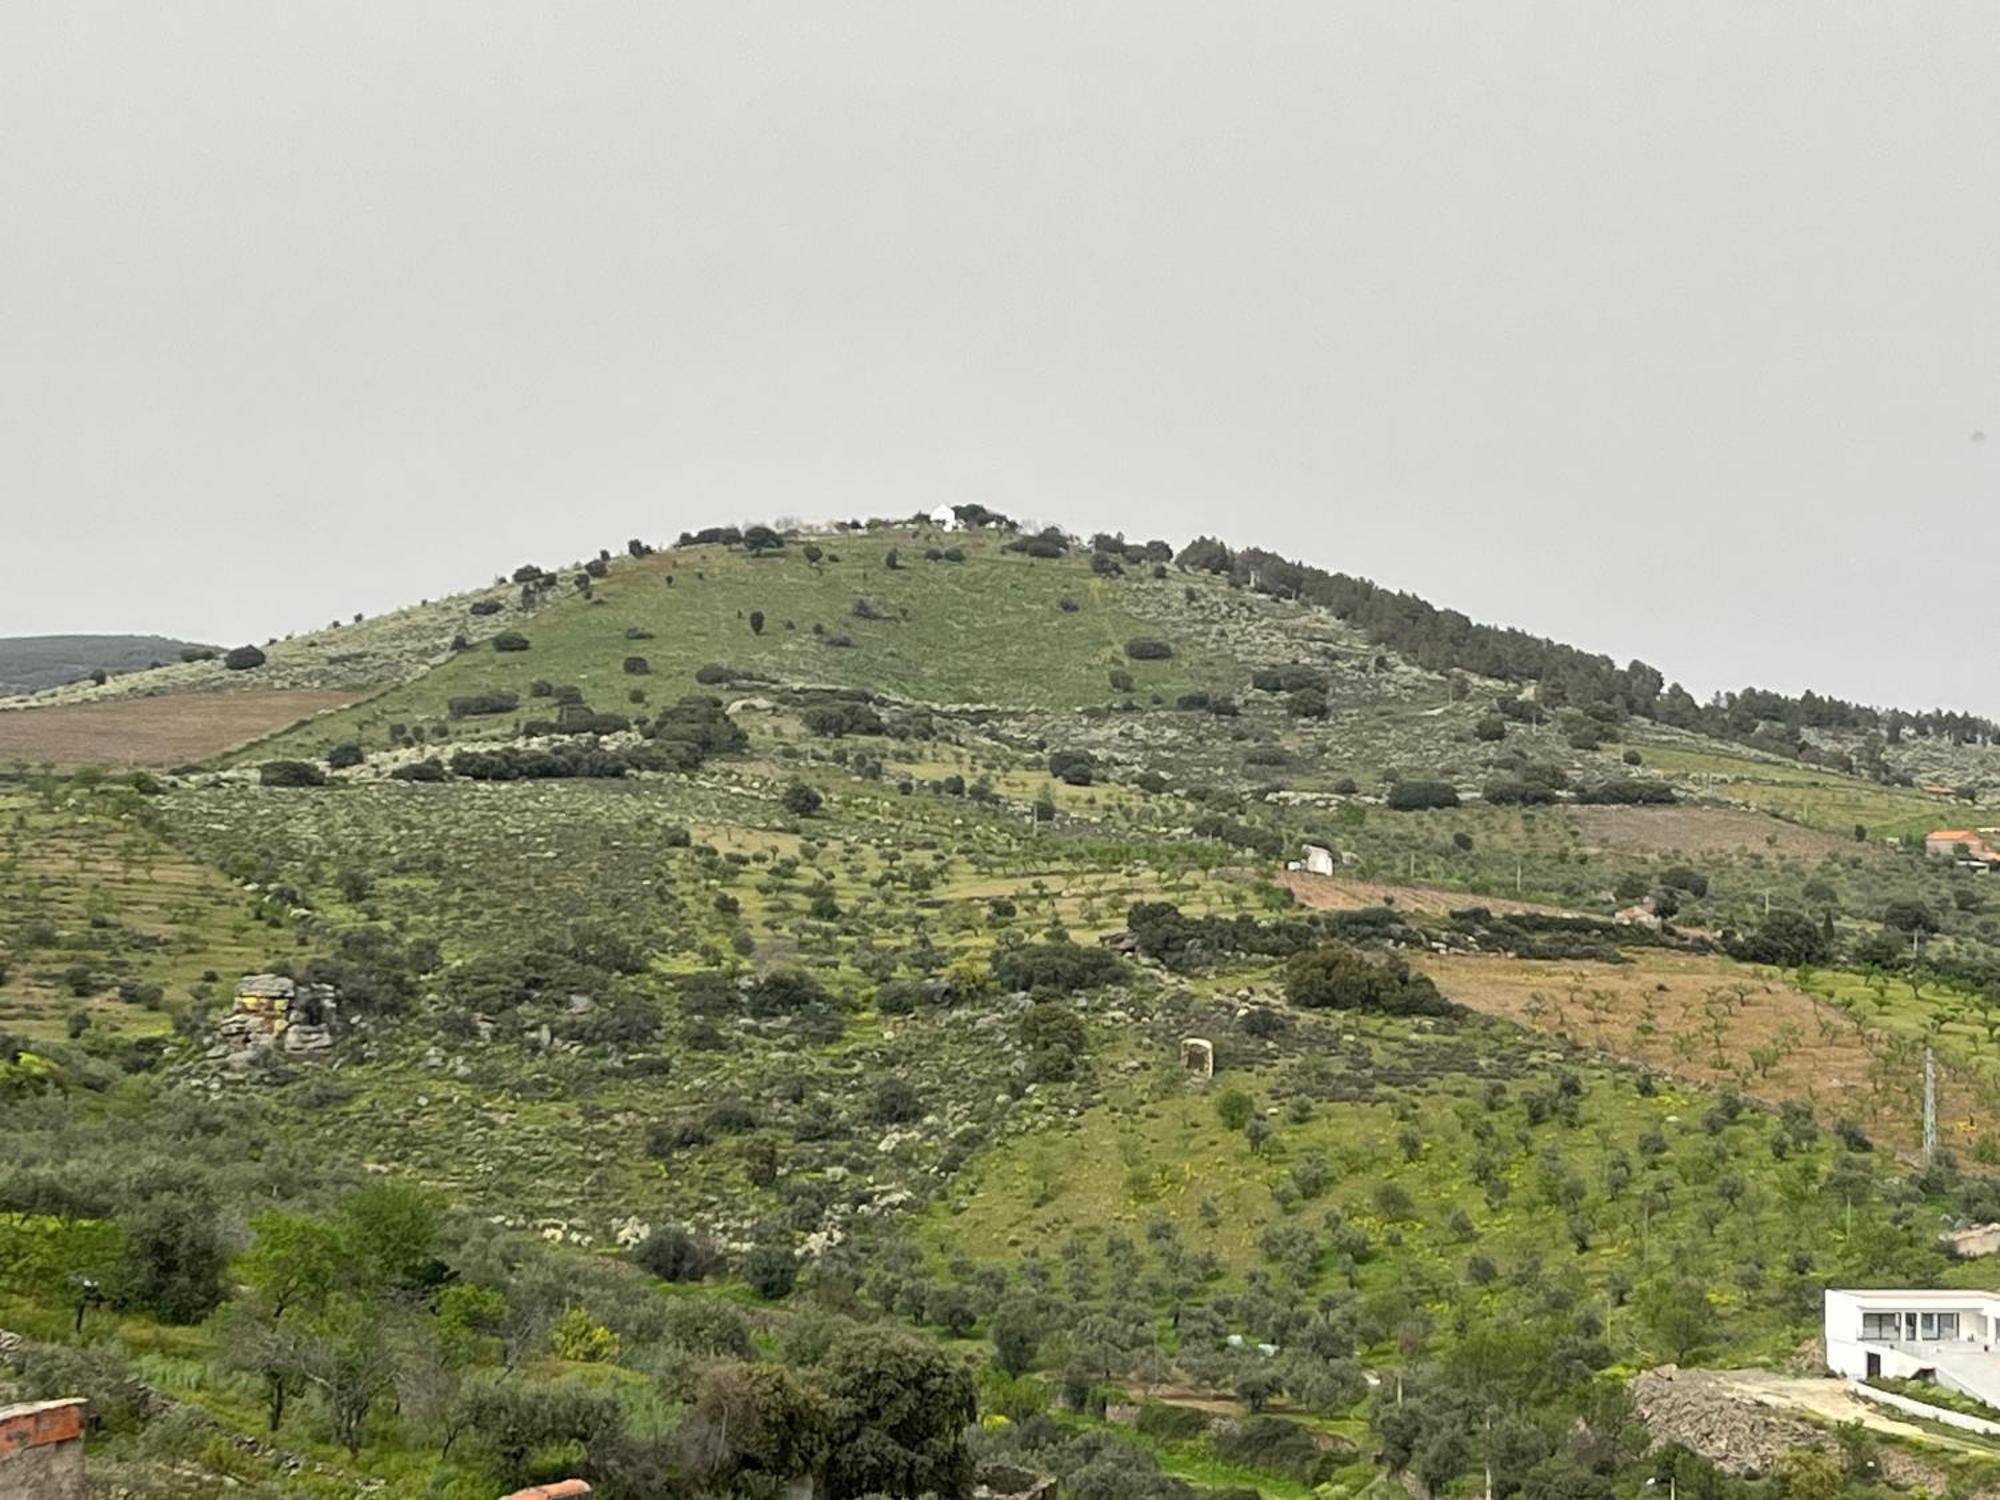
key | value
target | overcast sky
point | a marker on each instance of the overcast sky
(1665, 330)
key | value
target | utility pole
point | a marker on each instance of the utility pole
(1930, 1105)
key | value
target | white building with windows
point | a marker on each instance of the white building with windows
(1947, 1336)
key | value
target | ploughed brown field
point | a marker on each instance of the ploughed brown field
(170, 730)
(1690, 830)
(1338, 893)
(1721, 1024)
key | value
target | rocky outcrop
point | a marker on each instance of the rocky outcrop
(274, 1011)
(1691, 1408)
(1012, 1482)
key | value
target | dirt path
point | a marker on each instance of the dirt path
(1829, 1400)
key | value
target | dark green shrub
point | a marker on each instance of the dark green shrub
(510, 640)
(673, 1253)
(1063, 968)
(772, 1271)
(1338, 976)
(1148, 648)
(478, 705)
(290, 773)
(1418, 796)
(1073, 767)
(243, 658)
(1509, 791)
(345, 756)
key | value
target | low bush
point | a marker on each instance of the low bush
(1420, 796)
(478, 705)
(290, 773)
(1627, 791)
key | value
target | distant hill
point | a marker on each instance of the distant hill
(30, 663)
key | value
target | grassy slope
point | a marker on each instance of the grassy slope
(1814, 797)
(988, 630)
(80, 884)
(531, 1133)
(29, 663)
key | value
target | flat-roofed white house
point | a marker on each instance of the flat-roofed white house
(1948, 1336)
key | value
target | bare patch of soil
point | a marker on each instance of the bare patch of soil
(170, 730)
(1713, 1022)
(1338, 893)
(1701, 830)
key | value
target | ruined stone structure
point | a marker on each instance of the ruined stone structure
(41, 1451)
(273, 1011)
(1198, 1057)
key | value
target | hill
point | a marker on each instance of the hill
(739, 1019)
(33, 663)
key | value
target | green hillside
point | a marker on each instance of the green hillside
(780, 1073)
(992, 628)
(30, 663)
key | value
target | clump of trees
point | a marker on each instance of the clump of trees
(1339, 976)
(1056, 967)
(1421, 796)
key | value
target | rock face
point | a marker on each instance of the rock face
(1012, 1482)
(274, 1011)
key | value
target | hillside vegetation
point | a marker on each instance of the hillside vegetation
(30, 663)
(759, 975)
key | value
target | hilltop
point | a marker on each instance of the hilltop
(33, 663)
(726, 990)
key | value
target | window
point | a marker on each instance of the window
(1882, 1327)
(1942, 1325)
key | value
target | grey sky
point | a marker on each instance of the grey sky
(1664, 330)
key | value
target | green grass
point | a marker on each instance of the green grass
(1154, 1150)
(88, 879)
(1804, 794)
(987, 630)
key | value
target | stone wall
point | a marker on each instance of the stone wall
(41, 1451)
